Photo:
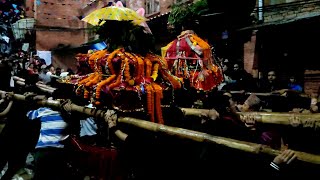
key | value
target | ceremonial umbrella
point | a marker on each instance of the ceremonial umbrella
(98, 16)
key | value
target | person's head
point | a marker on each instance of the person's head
(236, 67)
(272, 76)
(31, 66)
(70, 71)
(58, 71)
(52, 70)
(252, 103)
(224, 67)
(35, 70)
(42, 61)
(232, 104)
(31, 80)
(42, 67)
(222, 102)
(292, 79)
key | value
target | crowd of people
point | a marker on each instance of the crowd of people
(11, 11)
(236, 78)
(284, 94)
(28, 65)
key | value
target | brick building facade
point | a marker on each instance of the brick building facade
(58, 24)
(280, 41)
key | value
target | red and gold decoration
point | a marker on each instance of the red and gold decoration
(128, 78)
(190, 57)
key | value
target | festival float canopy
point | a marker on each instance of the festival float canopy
(190, 57)
(125, 76)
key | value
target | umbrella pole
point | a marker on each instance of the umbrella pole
(178, 132)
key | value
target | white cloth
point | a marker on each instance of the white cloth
(46, 55)
(64, 74)
(88, 126)
(11, 82)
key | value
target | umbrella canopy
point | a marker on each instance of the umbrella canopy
(113, 13)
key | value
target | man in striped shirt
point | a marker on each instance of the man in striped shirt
(50, 155)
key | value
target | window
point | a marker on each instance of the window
(274, 2)
(152, 6)
(180, 1)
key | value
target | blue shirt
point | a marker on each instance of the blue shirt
(295, 87)
(53, 127)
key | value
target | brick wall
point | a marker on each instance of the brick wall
(291, 11)
(311, 81)
(136, 4)
(249, 53)
(280, 14)
(164, 5)
(91, 6)
(29, 9)
(51, 15)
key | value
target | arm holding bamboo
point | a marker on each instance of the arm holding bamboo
(314, 106)
(284, 158)
(111, 118)
(4, 98)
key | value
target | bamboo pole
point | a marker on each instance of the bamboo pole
(204, 137)
(198, 112)
(42, 87)
(275, 93)
(180, 132)
(16, 78)
(19, 97)
(293, 119)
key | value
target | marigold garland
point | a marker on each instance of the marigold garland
(157, 101)
(139, 73)
(148, 67)
(155, 71)
(101, 84)
(150, 102)
(199, 41)
(140, 66)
